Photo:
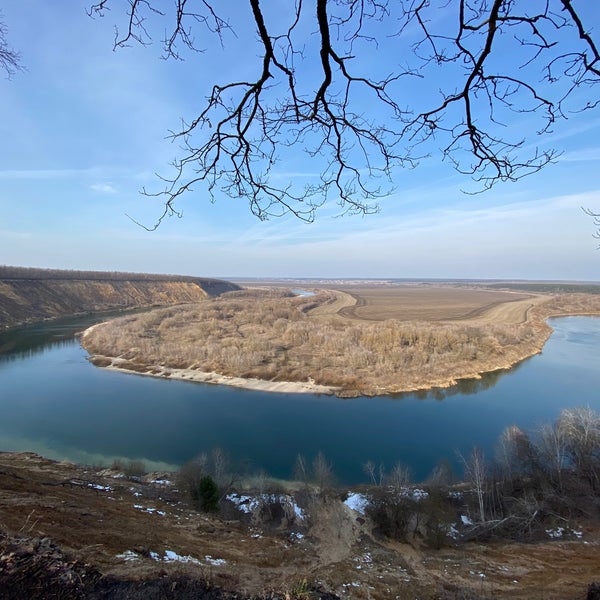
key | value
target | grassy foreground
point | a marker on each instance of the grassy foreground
(269, 335)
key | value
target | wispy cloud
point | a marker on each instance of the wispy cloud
(104, 188)
(583, 155)
(47, 173)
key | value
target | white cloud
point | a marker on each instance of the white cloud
(104, 188)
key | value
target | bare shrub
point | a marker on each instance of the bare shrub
(476, 475)
(132, 469)
(399, 477)
(192, 477)
(322, 472)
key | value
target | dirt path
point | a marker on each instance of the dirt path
(334, 307)
(508, 313)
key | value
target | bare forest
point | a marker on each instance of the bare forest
(271, 336)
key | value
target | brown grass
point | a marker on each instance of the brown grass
(424, 303)
(271, 336)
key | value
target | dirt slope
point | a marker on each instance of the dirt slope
(68, 523)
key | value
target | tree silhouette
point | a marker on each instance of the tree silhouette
(364, 87)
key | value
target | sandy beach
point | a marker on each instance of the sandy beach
(284, 387)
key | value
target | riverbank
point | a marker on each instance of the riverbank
(307, 387)
(282, 387)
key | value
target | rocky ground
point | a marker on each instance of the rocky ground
(69, 531)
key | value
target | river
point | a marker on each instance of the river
(54, 402)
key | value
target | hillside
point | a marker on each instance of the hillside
(69, 531)
(29, 295)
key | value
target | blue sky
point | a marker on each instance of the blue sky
(84, 128)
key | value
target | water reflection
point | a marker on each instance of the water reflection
(464, 387)
(22, 342)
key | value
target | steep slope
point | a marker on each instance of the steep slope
(29, 295)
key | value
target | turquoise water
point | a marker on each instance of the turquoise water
(53, 401)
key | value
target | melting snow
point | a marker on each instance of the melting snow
(248, 504)
(357, 502)
(171, 556)
(128, 555)
(465, 520)
(418, 494)
(453, 532)
(557, 532)
(102, 488)
(150, 510)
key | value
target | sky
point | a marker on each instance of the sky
(85, 128)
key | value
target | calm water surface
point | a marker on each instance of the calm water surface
(53, 401)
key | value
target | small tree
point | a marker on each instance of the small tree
(582, 430)
(301, 470)
(207, 498)
(476, 473)
(376, 473)
(400, 476)
(553, 451)
(322, 472)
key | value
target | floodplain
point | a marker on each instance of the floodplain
(349, 338)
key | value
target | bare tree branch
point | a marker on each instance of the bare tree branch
(10, 60)
(596, 217)
(498, 62)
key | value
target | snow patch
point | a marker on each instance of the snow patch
(248, 504)
(102, 488)
(170, 556)
(150, 510)
(128, 555)
(559, 532)
(357, 502)
(418, 494)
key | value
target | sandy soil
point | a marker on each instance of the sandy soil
(284, 387)
(340, 302)
(513, 312)
(128, 529)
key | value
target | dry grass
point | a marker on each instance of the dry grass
(423, 302)
(270, 336)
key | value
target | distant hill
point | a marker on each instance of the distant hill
(30, 295)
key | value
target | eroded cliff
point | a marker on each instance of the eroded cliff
(29, 295)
